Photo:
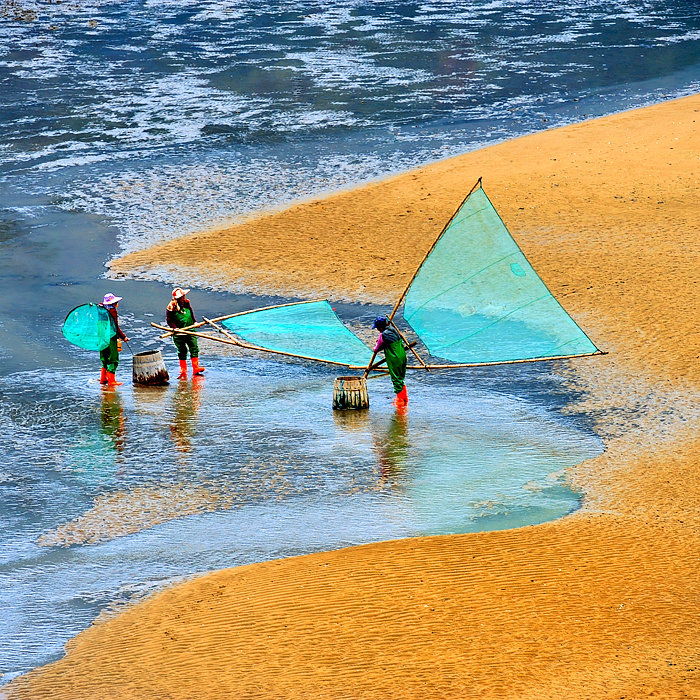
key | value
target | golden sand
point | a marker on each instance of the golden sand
(602, 604)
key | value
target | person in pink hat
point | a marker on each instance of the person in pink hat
(110, 355)
(179, 314)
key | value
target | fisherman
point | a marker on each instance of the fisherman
(179, 314)
(110, 355)
(395, 354)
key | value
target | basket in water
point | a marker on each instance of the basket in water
(350, 393)
(149, 368)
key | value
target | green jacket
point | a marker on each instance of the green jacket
(179, 314)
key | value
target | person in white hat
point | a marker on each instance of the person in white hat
(179, 314)
(110, 355)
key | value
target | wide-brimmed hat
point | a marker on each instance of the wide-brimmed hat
(111, 299)
(178, 292)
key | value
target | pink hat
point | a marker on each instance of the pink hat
(111, 299)
(177, 292)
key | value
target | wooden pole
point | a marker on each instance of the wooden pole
(507, 362)
(379, 374)
(230, 336)
(247, 346)
(390, 318)
(374, 365)
(410, 347)
(379, 363)
(239, 313)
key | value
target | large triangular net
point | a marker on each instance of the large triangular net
(308, 329)
(476, 298)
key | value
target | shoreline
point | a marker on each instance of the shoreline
(601, 603)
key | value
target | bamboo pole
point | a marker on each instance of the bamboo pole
(184, 331)
(379, 374)
(239, 313)
(247, 346)
(379, 363)
(410, 347)
(230, 336)
(506, 362)
(390, 318)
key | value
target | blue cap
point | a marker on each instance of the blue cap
(380, 321)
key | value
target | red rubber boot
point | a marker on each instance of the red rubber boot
(183, 370)
(196, 369)
(401, 397)
(112, 380)
(103, 376)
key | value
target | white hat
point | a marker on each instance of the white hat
(177, 292)
(110, 299)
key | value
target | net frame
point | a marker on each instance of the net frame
(456, 365)
(99, 345)
(374, 365)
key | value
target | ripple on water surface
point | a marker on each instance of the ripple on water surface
(167, 117)
(244, 465)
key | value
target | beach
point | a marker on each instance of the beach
(602, 603)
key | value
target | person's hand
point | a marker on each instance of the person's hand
(126, 340)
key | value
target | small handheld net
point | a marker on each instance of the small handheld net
(89, 326)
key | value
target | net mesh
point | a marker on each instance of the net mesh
(311, 330)
(477, 298)
(89, 326)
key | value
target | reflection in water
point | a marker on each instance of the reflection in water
(112, 420)
(393, 450)
(352, 421)
(150, 399)
(185, 407)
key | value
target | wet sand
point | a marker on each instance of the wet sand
(604, 603)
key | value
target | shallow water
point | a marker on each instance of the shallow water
(265, 469)
(127, 123)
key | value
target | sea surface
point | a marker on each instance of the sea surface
(128, 123)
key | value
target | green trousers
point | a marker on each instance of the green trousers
(110, 356)
(183, 343)
(396, 363)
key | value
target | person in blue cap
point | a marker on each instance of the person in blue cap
(390, 343)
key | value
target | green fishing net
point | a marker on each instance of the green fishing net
(89, 326)
(311, 330)
(477, 299)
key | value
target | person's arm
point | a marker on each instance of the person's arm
(170, 317)
(380, 343)
(120, 333)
